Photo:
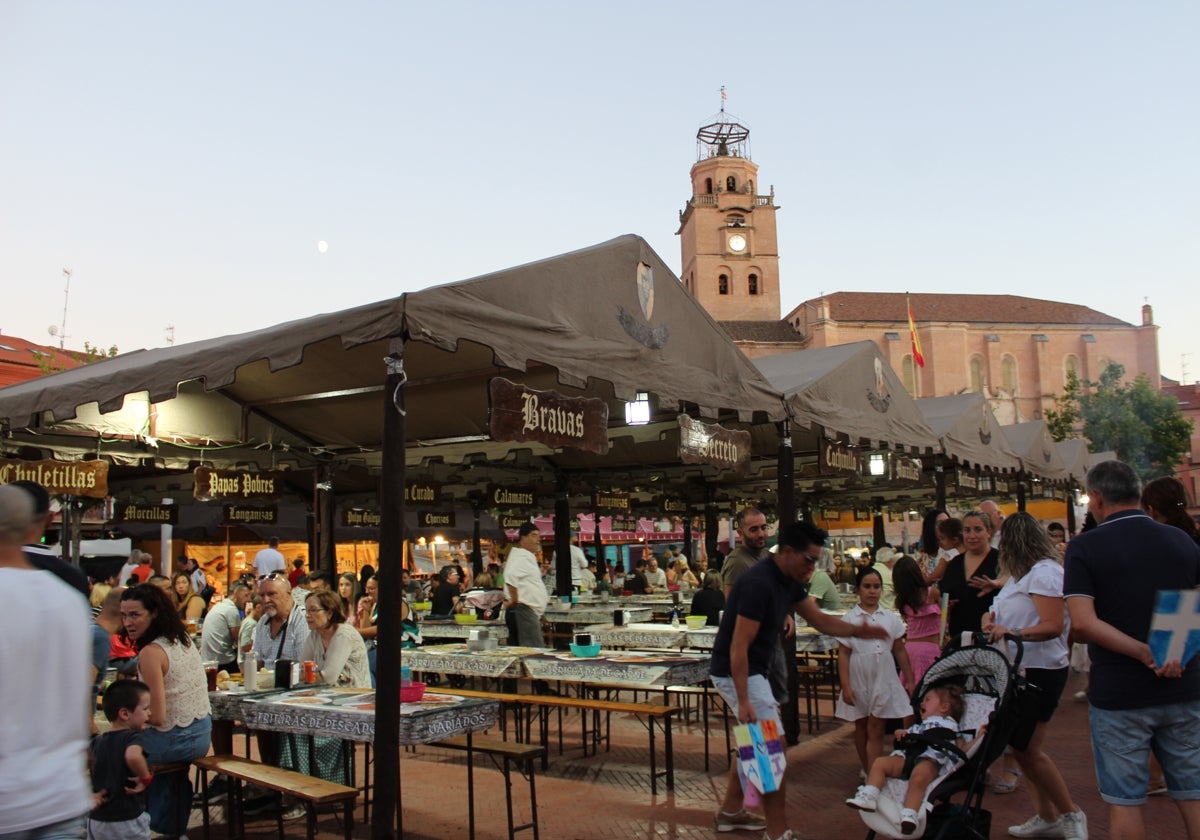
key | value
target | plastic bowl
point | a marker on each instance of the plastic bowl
(585, 651)
(413, 693)
(465, 618)
(422, 605)
(695, 622)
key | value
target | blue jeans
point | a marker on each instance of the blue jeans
(72, 829)
(169, 798)
(1122, 740)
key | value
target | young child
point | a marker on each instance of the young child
(871, 690)
(120, 772)
(941, 709)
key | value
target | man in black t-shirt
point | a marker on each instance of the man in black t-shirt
(759, 602)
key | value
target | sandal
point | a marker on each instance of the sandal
(1006, 785)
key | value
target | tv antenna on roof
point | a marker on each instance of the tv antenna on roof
(61, 332)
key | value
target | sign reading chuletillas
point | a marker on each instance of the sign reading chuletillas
(610, 502)
(519, 413)
(834, 458)
(358, 518)
(244, 515)
(513, 497)
(60, 478)
(236, 484)
(435, 519)
(149, 514)
(421, 492)
(713, 444)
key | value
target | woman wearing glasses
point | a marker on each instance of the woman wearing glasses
(336, 647)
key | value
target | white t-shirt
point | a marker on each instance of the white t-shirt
(578, 565)
(43, 740)
(1015, 610)
(266, 561)
(523, 574)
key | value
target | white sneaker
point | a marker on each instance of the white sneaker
(1074, 825)
(865, 799)
(1035, 826)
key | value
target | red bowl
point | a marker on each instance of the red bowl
(413, 693)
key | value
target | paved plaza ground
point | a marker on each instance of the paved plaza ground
(608, 796)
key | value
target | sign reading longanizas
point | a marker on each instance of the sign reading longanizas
(713, 444)
(60, 478)
(519, 413)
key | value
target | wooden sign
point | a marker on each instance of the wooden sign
(422, 492)
(967, 480)
(235, 484)
(512, 497)
(834, 458)
(609, 502)
(60, 478)
(509, 522)
(146, 514)
(359, 518)
(518, 413)
(670, 506)
(906, 469)
(714, 445)
(624, 524)
(245, 515)
(435, 519)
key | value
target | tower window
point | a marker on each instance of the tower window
(753, 284)
(723, 284)
(735, 220)
(1008, 374)
(731, 184)
(976, 373)
(708, 186)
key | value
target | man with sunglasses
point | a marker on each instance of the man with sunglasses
(760, 600)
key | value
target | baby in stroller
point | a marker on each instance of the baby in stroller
(931, 749)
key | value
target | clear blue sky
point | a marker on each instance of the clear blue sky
(185, 159)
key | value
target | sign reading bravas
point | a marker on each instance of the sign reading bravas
(243, 515)
(149, 514)
(358, 518)
(519, 413)
(60, 478)
(236, 484)
(713, 444)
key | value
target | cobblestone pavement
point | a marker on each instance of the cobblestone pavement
(608, 796)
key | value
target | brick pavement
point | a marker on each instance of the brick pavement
(607, 796)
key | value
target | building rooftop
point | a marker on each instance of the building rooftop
(889, 307)
(762, 331)
(22, 360)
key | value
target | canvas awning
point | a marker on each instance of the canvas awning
(968, 431)
(1039, 455)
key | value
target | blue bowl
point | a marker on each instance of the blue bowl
(585, 651)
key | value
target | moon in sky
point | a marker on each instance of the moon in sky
(322, 246)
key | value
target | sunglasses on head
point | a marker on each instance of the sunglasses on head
(273, 576)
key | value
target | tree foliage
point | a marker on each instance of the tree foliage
(1142, 425)
(49, 362)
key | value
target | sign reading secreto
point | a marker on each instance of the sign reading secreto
(60, 478)
(519, 414)
(236, 484)
(713, 444)
(146, 514)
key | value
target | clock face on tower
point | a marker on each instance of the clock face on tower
(737, 243)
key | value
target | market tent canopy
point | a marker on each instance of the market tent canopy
(968, 431)
(849, 389)
(1037, 450)
(1075, 457)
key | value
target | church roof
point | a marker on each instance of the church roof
(995, 309)
(775, 332)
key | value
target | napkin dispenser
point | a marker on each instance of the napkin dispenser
(480, 639)
(583, 639)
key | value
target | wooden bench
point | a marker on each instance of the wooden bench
(705, 694)
(311, 791)
(507, 752)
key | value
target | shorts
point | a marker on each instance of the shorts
(1044, 688)
(761, 697)
(1122, 740)
(139, 827)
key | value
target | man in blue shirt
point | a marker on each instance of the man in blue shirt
(759, 602)
(1113, 574)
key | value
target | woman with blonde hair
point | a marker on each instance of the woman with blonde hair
(969, 576)
(187, 602)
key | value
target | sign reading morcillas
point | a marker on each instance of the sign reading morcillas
(518, 413)
(834, 458)
(210, 484)
(60, 478)
(146, 514)
(421, 492)
(245, 515)
(435, 519)
(358, 518)
(604, 501)
(713, 444)
(511, 497)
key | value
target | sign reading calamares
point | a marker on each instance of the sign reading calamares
(60, 478)
(713, 444)
(519, 414)
(512, 497)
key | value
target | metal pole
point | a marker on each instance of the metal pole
(786, 494)
(562, 538)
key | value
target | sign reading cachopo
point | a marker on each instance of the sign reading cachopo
(236, 484)
(519, 413)
(60, 478)
(713, 444)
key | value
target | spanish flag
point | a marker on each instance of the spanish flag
(912, 331)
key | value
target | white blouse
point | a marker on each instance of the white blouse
(1014, 609)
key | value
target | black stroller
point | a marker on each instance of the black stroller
(992, 690)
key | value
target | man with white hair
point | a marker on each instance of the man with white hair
(282, 632)
(993, 511)
(44, 741)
